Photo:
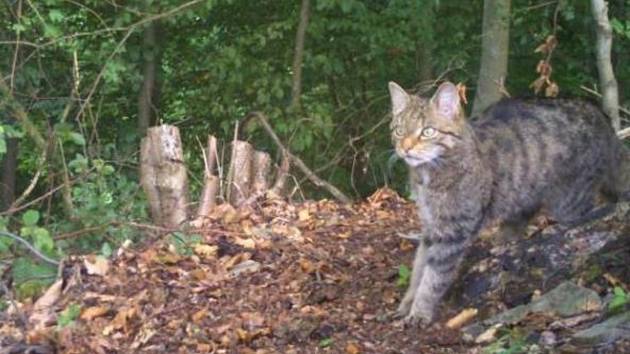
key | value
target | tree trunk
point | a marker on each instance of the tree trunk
(163, 175)
(494, 53)
(298, 58)
(607, 81)
(424, 44)
(9, 169)
(149, 93)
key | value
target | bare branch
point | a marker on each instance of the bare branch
(298, 162)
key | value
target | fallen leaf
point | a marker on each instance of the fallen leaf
(43, 310)
(96, 265)
(200, 315)
(352, 348)
(489, 334)
(304, 215)
(206, 251)
(245, 242)
(93, 312)
(462, 318)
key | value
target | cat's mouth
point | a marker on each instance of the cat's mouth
(415, 159)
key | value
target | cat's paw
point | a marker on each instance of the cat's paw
(403, 308)
(416, 319)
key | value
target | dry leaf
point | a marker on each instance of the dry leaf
(96, 265)
(43, 311)
(200, 315)
(462, 318)
(206, 251)
(93, 312)
(552, 90)
(245, 242)
(304, 215)
(352, 348)
(489, 334)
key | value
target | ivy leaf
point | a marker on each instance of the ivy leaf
(42, 239)
(106, 250)
(67, 316)
(77, 138)
(55, 16)
(30, 218)
(51, 31)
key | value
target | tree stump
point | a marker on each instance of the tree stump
(163, 175)
(261, 168)
(240, 173)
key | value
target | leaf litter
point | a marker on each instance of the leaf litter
(273, 277)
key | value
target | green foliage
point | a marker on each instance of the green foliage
(510, 342)
(39, 235)
(184, 243)
(326, 342)
(404, 276)
(68, 315)
(30, 279)
(619, 300)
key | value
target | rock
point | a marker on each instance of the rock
(244, 267)
(567, 299)
(607, 332)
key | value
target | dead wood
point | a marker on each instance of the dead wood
(240, 176)
(261, 168)
(163, 175)
(297, 161)
(211, 181)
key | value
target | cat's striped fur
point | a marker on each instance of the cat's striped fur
(518, 157)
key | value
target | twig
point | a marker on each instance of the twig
(599, 95)
(18, 311)
(31, 248)
(297, 161)
(31, 185)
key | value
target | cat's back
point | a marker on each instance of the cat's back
(563, 126)
(537, 147)
(554, 116)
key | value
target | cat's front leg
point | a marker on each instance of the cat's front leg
(440, 270)
(419, 263)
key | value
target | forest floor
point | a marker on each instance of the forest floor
(317, 277)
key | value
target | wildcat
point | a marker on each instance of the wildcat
(517, 157)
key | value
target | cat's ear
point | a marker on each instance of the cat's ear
(446, 100)
(400, 98)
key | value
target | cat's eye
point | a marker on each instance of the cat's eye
(399, 130)
(429, 132)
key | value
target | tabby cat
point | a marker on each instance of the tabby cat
(516, 158)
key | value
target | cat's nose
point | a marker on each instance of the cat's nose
(408, 143)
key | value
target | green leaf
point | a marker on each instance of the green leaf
(77, 138)
(106, 250)
(67, 316)
(42, 239)
(51, 31)
(30, 218)
(404, 274)
(56, 16)
(326, 342)
(30, 278)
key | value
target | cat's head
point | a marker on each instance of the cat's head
(426, 130)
